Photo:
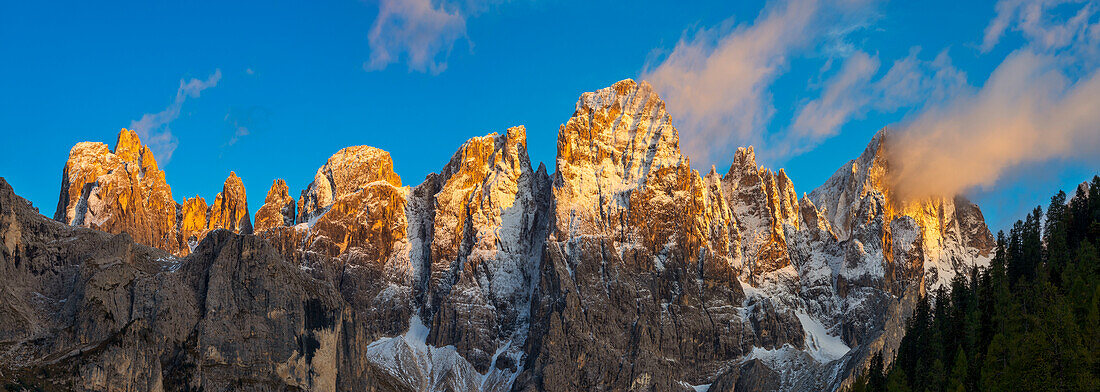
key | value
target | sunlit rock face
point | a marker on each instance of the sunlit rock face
(488, 223)
(193, 221)
(638, 281)
(764, 202)
(119, 190)
(346, 172)
(278, 208)
(827, 278)
(938, 235)
(230, 208)
(625, 269)
(124, 191)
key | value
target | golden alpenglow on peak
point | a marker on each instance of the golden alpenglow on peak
(119, 191)
(230, 208)
(346, 172)
(193, 221)
(426, 213)
(489, 261)
(278, 208)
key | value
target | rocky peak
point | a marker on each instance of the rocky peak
(346, 172)
(481, 179)
(488, 223)
(617, 137)
(355, 202)
(846, 193)
(130, 150)
(193, 221)
(120, 190)
(764, 202)
(859, 202)
(278, 208)
(230, 208)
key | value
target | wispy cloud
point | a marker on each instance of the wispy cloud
(243, 123)
(821, 117)
(418, 30)
(1039, 105)
(154, 129)
(1040, 24)
(716, 81)
(854, 90)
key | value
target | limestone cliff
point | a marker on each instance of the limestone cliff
(625, 269)
(119, 190)
(230, 208)
(278, 208)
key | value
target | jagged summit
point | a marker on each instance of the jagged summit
(230, 208)
(951, 230)
(489, 275)
(349, 170)
(615, 139)
(120, 190)
(278, 208)
(123, 190)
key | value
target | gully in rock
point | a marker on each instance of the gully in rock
(490, 275)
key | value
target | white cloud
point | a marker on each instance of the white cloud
(1041, 104)
(822, 117)
(853, 91)
(153, 128)
(716, 83)
(1039, 23)
(421, 32)
(1029, 111)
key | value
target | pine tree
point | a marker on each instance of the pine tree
(1057, 250)
(876, 380)
(995, 375)
(959, 373)
(1028, 322)
(1094, 209)
(1081, 218)
(1014, 257)
(897, 381)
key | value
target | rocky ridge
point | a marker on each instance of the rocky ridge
(124, 191)
(624, 269)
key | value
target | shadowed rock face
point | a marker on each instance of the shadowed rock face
(105, 313)
(625, 270)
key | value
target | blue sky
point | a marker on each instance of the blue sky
(270, 90)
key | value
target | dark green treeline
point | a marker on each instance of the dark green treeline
(1029, 322)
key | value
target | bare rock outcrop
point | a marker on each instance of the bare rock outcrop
(487, 229)
(625, 269)
(637, 288)
(230, 208)
(105, 313)
(119, 191)
(346, 172)
(278, 208)
(193, 221)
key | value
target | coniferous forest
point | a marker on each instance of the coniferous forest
(1028, 322)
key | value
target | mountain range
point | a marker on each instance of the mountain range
(623, 269)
